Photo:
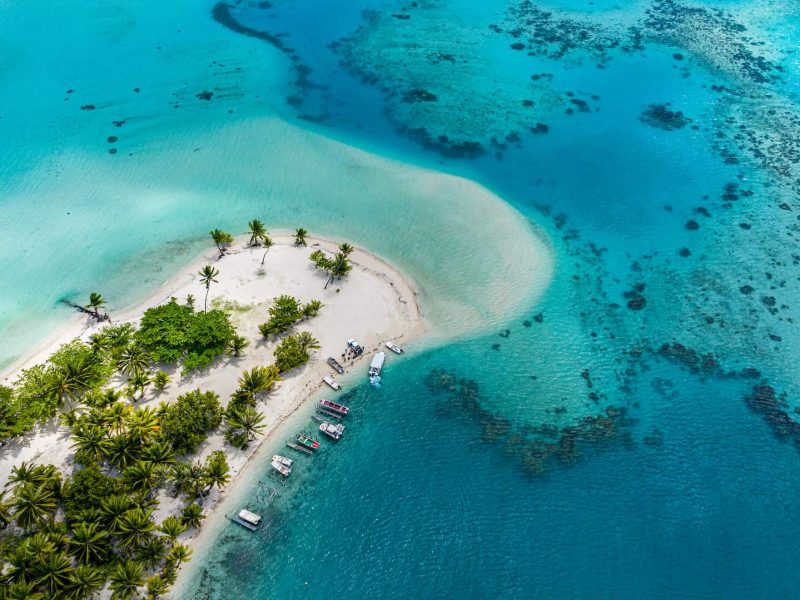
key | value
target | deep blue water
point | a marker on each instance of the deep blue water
(693, 492)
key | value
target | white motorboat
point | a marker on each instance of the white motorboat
(283, 460)
(375, 367)
(332, 431)
(281, 468)
(331, 382)
(394, 348)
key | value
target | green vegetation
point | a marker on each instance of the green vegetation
(187, 421)
(300, 235)
(207, 277)
(337, 267)
(96, 301)
(222, 239)
(285, 312)
(172, 332)
(293, 350)
(160, 379)
(257, 232)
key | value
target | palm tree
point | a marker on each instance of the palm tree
(207, 275)
(159, 452)
(89, 543)
(268, 243)
(113, 508)
(135, 527)
(95, 302)
(125, 578)
(71, 381)
(192, 515)
(139, 381)
(312, 308)
(307, 341)
(190, 300)
(23, 564)
(216, 471)
(300, 236)
(172, 528)
(222, 239)
(237, 345)
(338, 267)
(39, 546)
(91, 440)
(117, 415)
(179, 553)
(122, 451)
(134, 358)
(193, 480)
(258, 380)
(141, 476)
(33, 505)
(5, 511)
(54, 572)
(157, 586)
(22, 590)
(143, 424)
(25, 472)
(346, 249)
(248, 419)
(257, 231)
(84, 581)
(152, 551)
(100, 344)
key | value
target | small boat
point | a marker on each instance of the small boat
(307, 442)
(375, 367)
(335, 365)
(394, 348)
(281, 468)
(332, 431)
(356, 347)
(283, 460)
(245, 518)
(331, 382)
(335, 407)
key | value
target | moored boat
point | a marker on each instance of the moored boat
(335, 365)
(283, 460)
(245, 518)
(332, 431)
(307, 442)
(375, 367)
(394, 348)
(331, 382)
(335, 407)
(281, 468)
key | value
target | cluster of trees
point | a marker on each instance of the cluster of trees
(243, 421)
(71, 538)
(293, 351)
(285, 312)
(337, 266)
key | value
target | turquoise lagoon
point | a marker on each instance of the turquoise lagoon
(628, 433)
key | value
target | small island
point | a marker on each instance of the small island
(120, 436)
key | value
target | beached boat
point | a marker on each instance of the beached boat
(245, 518)
(394, 348)
(281, 468)
(306, 441)
(356, 347)
(335, 365)
(332, 431)
(283, 460)
(375, 367)
(331, 382)
(340, 409)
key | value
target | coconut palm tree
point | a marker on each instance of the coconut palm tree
(247, 419)
(143, 424)
(159, 452)
(70, 381)
(157, 586)
(117, 415)
(268, 243)
(152, 551)
(300, 236)
(257, 381)
(84, 581)
(307, 341)
(95, 302)
(22, 564)
(25, 472)
(190, 300)
(207, 277)
(126, 578)
(179, 553)
(237, 345)
(216, 471)
(22, 590)
(194, 480)
(172, 528)
(91, 440)
(132, 359)
(257, 231)
(122, 451)
(192, 515)
(346, 249)
(141, 476)
(338, 267)
(222, 239)
(135, 527)
(89, 543)
(54, 572)
(39, 546)
(33, 504)
(100, 344)
(5, 511)
(113, 508)
(139, 381)
(312, 308)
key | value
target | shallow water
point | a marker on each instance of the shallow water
(597, 457)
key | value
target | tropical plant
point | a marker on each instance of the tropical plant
(143, 424)
(122, 451)
(160, 379)
(89, 543)
(152, 551)
(307, 341)
(96, 301)
(5, 511)
(179, 553)
(237, 345)
(69, 382)
(159, 452)
(300, 235)
(135, 526)
(185, 422)
(84, 581)
(190, 300)
(113, 509)
(320, 259)
(189, 479)
(116, 416)
(337, 268)
(91, 440)
(222, 239)
(33, 504)
(208, 276)
(312, 308)
(172, 528)
(290, 354)
(54, 572)
(268, 243)
(346, 249)
(257, 381)
(216, 471)
(284, 312)
(126, 578)
(247, 420)
(139, 381)
(141, 476)
(157, 586)
(257, 232)
(192, 515)
(133, 359)
(22, 590)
